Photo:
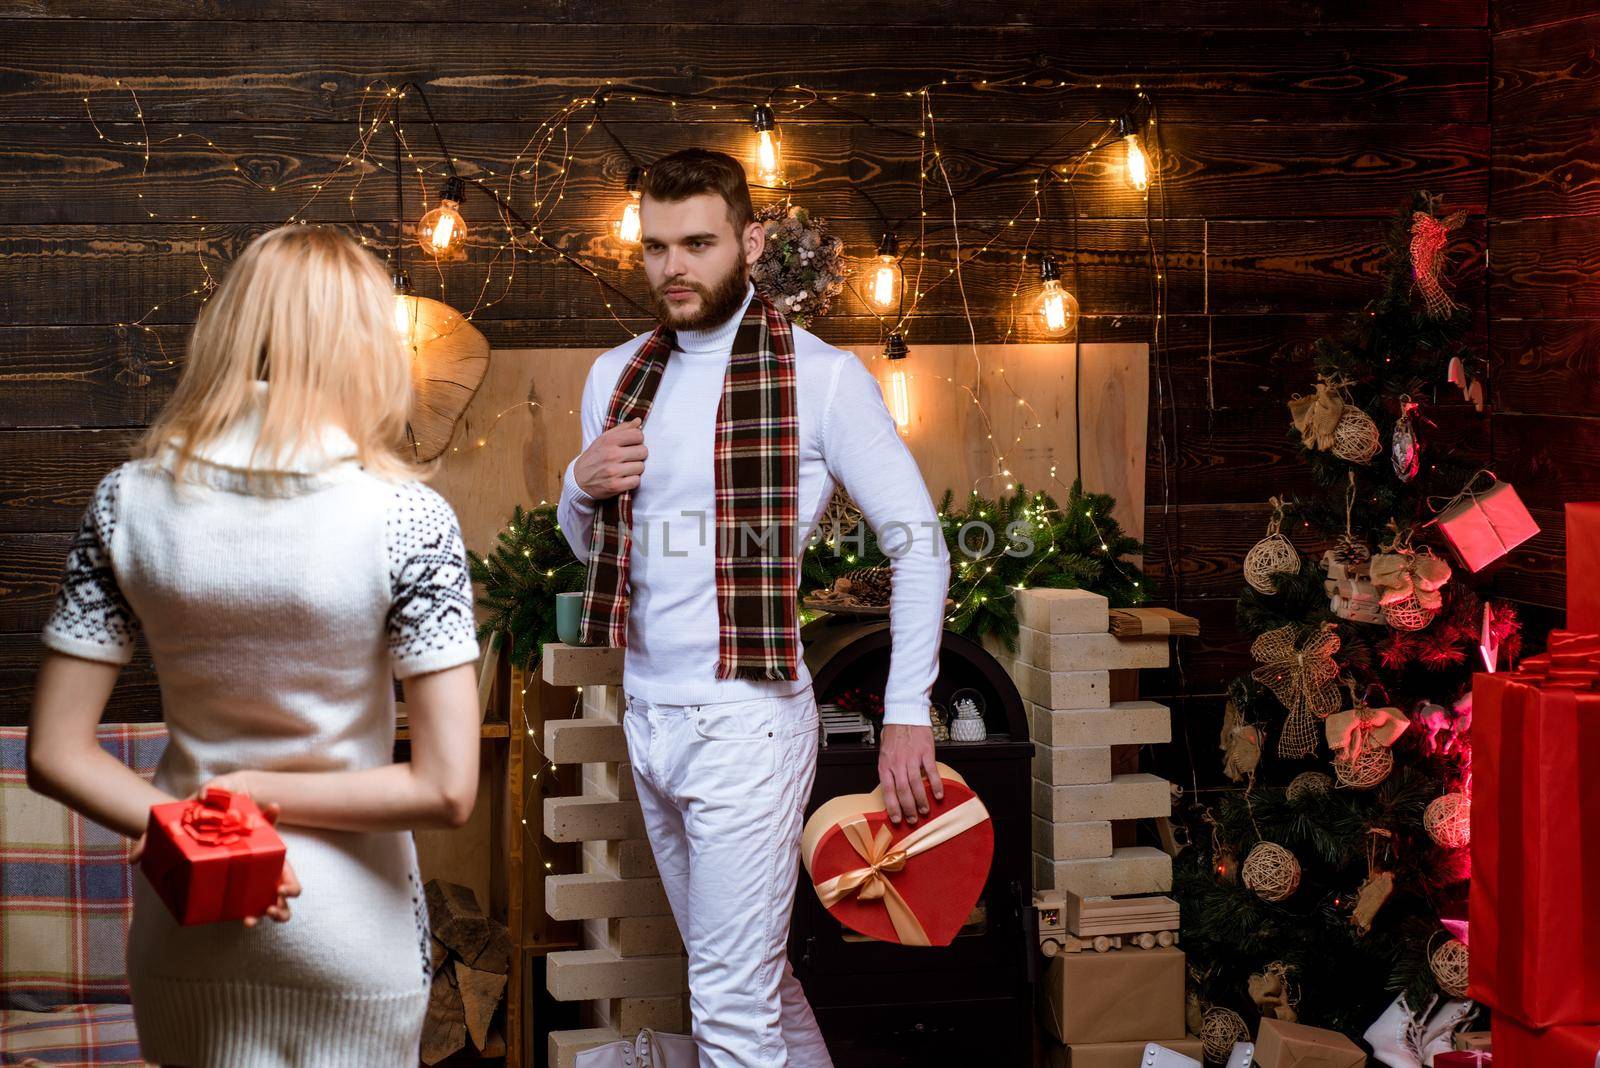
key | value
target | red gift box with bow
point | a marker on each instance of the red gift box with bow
(1536, 836)
(911, 883)
(213, 858)
(1557, 1047)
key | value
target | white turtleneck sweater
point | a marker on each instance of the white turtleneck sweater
(847, 437)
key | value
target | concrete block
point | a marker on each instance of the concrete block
(1063, 764)
(582, 741)
(610, 777)
(1063, 611)
(563, 1047)
(628, 1015)
(585, 896)
(1125, 797)
(626, 858)
(582, 974)
(1087, 652)
(1129, 870)
(1062, 689)
(586, 817)
(582, 665)
(1123, 723)
(633, 936)
(605, 703)
(1072, 841)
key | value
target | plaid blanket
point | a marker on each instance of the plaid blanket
(77, 1036)
(757, 501)
(66, 888)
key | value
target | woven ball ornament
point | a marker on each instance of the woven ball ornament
(1449, 964)
(1356, 438)
(1364, 768)
(1272, 555)
(1308, 785)
(1448, 820)
(1271, 871)
(1407, 614)
(1220, 1030)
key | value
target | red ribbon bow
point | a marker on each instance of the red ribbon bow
(212, 820)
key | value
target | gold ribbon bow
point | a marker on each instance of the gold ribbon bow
(1301, 676)
(871, 882)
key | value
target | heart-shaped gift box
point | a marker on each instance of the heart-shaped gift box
(911, 883)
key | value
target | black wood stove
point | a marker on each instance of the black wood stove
(970, 1002)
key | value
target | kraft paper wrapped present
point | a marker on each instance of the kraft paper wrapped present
(1482, 525)
(1291, 1045)
(1119, 1054)
(213, 858)
(1555, 1047)
(1536, 836)
(1132, 995)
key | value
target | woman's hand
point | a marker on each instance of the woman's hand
(288, 884)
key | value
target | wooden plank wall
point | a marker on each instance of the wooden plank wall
(1292, 131)
(1544, 282)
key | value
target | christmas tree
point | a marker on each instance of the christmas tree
(1333, 878)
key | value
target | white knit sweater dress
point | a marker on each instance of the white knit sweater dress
(275, 623)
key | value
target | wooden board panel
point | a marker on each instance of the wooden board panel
(490, 71)
(299, 169)
(1219, 14)
(530, 398)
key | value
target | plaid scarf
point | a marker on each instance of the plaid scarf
(757, 501)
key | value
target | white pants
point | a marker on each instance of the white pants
(723, 788)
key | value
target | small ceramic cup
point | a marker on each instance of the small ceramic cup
(569, 611)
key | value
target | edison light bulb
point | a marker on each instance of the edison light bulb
(626, 228)
(405, 307)
(1138, 163)
(443, 232)
(886, 276)
(769, 147)
(1138, 166)
(1056, 308)
(897, 396)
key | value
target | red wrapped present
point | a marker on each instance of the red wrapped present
(213, 858)
(1557, 1047)
(1477, 1058)
(1583, 566)
(1536, 836)
(1482, 525)
(911, 883)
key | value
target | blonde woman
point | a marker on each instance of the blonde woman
(283, 563)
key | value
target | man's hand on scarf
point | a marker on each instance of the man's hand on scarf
(613, 462)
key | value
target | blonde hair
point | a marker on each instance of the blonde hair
(311, 312)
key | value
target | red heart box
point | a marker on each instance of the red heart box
(927, 884)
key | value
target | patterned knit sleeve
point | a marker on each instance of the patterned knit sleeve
(92, 619)
(430, 622)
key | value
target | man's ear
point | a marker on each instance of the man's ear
(755, 241)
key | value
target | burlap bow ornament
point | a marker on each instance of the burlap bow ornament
(1430, 235)
(1316, 416)
(1349, 731)
(1301, 675)
(1399, 572)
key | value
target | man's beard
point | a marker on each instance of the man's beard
(717, 303)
